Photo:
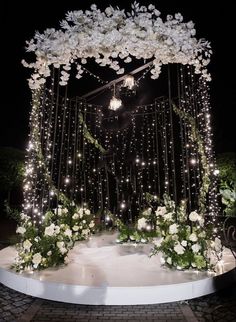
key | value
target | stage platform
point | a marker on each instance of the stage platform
(102, 272)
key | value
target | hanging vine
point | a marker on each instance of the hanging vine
(196, 137)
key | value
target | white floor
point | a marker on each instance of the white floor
(100, 271)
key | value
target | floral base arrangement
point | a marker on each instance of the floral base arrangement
(185, 240)
(48, 245)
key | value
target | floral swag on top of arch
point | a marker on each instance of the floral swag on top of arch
(53, 219)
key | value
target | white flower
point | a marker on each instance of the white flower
(196, 248)
(142, 223)
(87, 212)
(108, 11)
(85, 232)
(202, 234)
(61, 246)
(21, 230)
(157, 242)
(27, 245)
(201, 221)
(193, 216)
(173, 229)
(56, 230)
(65, 210)
(49, 231)
(160, 211)
(162, 260)
(184, 243)
(168, 216)
(169, 260)
(75, 216)
(49, 253)
(193, 237)
(179, 249)
(36, 259)
(59, 210)
(68, 232)
(92, 224)
(75, 228)
(80, 212)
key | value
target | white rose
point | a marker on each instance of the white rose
(87, 212)
(65, 210)
(85, 232)
(92, 224)
(142, 223)
(80, 212)
(184, 243)
(56, 230)
(27, 245)
(202, 234)
(75, 216)
(49, 253)
(173, 229)
(169, 260)
(196, 248)
(21, 230)
(49, 231)
(75, 228)
(59, 211)
(36, 259)
(68, 232)
(162, 260)
(201, 221)
(193, 237)
(157, 242)
(160, 211)
(61, 246)
(168, 216)
(193, 216)
(179, 249)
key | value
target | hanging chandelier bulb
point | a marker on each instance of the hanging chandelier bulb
(129, 82)
(115, 103)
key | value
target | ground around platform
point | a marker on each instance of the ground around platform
(17, 307)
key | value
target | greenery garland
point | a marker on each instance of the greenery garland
(196, 137)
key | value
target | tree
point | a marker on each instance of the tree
(11, 170)
(226, 163)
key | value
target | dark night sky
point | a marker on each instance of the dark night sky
(215, 22)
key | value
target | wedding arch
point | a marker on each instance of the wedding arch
(81, 173)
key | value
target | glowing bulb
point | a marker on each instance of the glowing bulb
(67, 180)
(122, 205)
(216, 172)
(193, 161)
(129, 81)
(137, 160)
(115, 103)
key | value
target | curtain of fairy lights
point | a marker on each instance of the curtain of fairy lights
(153, 152)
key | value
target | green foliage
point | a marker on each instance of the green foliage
(182, 245)
(88, 136)
(197, 138)
(48, 244)
(226, 163)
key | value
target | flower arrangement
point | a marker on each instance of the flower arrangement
(115, 35)
(186, 241)
(49, 244)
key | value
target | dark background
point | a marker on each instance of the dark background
(215, 22)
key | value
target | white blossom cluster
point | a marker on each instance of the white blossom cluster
(113, 35)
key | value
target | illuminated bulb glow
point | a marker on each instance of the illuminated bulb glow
(115, 103)
(129, 81)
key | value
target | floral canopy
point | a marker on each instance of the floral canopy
(115, 35)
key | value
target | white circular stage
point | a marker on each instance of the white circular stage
(102, 272)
